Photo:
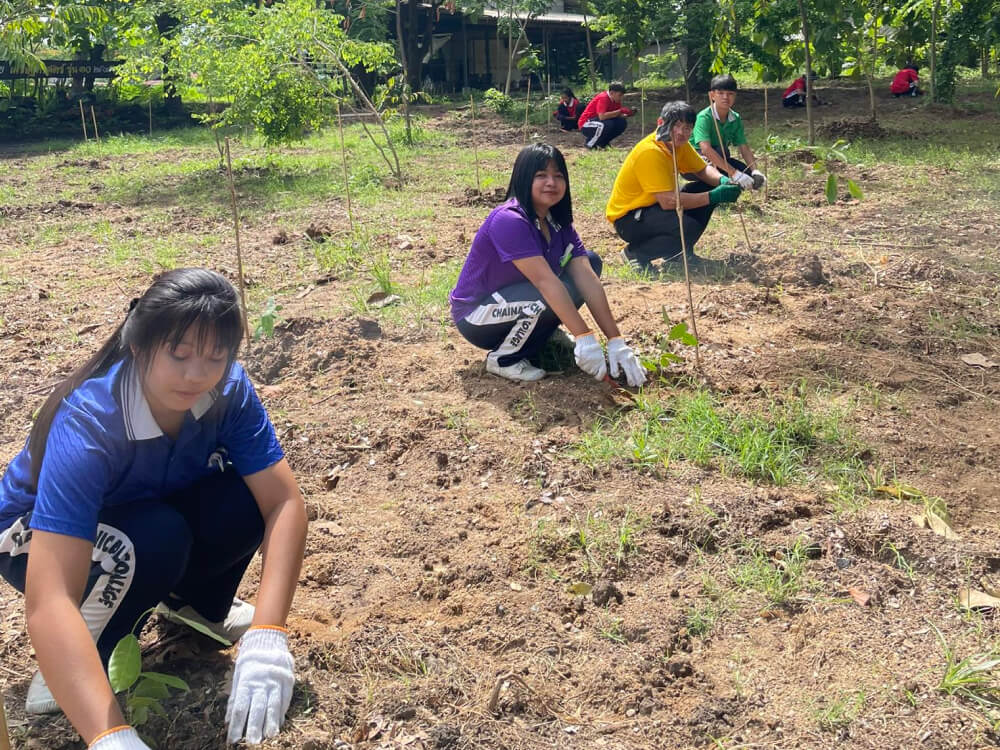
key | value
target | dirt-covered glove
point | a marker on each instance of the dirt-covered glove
(759, 180)
(262, 685)
(119, 738)
(742, 179)
(622, 359)
(589, 356)
(727, 192)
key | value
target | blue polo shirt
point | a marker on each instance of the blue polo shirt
(104, 449)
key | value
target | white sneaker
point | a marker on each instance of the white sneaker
(39, 700)
(237, 622)
(522, 370)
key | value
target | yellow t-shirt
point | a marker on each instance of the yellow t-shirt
(648, 170)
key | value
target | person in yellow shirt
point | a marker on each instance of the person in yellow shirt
(643, 201)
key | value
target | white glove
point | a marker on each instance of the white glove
(124, 738)
(622, 359)
(262, 685)
(589, 356)
(759, 180)
(742, 179)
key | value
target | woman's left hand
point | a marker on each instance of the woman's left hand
(622, 359)
(263, 679)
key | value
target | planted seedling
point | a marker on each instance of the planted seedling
(268, 319)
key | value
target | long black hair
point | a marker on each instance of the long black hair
(176, 301)
(533, 159)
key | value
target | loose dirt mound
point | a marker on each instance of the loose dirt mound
(851, 129)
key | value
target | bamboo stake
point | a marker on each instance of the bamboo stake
(239, 253)
(83, 119)
(94, 118)
(347, 175)
(684, 255)
(722, 147)
(527, 109)
(642, 110)
(767, 135)
(4, 733)
(150, 116)
(475, 146)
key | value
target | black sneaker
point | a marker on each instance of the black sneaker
(636, 263)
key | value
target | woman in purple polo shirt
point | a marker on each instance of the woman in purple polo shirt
(528, 271)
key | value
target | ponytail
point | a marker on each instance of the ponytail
(97, 365)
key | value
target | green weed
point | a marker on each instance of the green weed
(779, 577)
(840, 712)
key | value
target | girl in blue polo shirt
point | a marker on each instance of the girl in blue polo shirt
(528, 271)
(150, 478)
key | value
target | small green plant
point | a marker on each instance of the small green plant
(701, 619)
(498, 101)
(612, 629)
(268, 319)
(972, 678)
(382, 273)
(678, 333)
(143, 690)
(900, 561)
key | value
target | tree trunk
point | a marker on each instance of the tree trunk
(870, 73)
(165, 26)
(510, 52)
(590, 52)
(805, 37)
(406, 72)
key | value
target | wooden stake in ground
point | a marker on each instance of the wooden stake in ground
(4, 734)
(722, 149)
(151, 117)
(94, 118)
(684, 252)
(767, 146)
(347, 175)
(83, 119)
(527, 109)
(475, 147)
(239, 252)
(642, 110)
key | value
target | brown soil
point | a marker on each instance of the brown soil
(433, 609)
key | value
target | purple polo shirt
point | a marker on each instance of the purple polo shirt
(505, 236)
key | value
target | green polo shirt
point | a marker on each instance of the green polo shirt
(704, 130)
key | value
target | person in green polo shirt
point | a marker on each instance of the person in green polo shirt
(705, 136)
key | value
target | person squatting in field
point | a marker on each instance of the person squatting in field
(604, 118)
(904, 83)
(150, 478)
(568, 111)
(527, 271)
(643, 202)
(719, 118)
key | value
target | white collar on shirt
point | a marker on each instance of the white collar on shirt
(139, 422)
(715, 113)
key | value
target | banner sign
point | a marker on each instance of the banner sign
(63, 69)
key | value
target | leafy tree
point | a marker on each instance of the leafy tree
(26, 25)
(273, 63)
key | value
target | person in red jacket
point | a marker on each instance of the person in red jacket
(795, 95)
(603, 120)
(905, 83)
(568, 111)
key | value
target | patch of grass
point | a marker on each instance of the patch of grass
(594, 544)
(779, 576)
(784, 442)
(840, 712)
(701, 618)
